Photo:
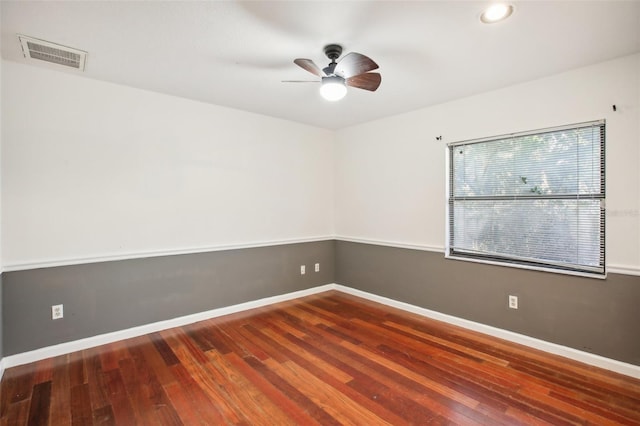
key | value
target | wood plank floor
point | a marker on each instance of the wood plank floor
(326, 359)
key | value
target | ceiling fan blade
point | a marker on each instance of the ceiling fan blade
(353, 64)
(310, 66)
(368, 81)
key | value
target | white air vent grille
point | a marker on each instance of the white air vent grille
(51, 52)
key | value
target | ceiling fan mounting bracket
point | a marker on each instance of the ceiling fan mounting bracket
(333, 51)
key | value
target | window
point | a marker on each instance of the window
(532, 199)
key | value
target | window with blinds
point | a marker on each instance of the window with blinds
(532, 199)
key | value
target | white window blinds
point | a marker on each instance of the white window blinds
(534, 199)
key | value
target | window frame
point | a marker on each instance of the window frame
(514, 261)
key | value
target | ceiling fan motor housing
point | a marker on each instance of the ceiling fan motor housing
(333, 51)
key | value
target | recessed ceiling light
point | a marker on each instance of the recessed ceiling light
(496, 13)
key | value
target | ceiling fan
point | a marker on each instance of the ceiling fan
(352, 70)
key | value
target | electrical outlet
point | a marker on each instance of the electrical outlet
(513, 302)
(317, 268)
(57, 312)
(303, 269)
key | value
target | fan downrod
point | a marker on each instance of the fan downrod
(333, 51)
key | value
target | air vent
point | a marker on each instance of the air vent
(50, 52)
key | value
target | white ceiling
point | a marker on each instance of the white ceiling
(236, 53)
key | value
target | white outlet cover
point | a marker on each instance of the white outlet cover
(317, 267)
(513, 302)
(57, 312)
(303, 269)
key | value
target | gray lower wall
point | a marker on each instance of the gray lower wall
(592, 315)
(109, 296)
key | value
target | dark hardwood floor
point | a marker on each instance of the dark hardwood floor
(326, 359)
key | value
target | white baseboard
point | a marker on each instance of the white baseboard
(77, 345)
(574, 354)
(102, 339)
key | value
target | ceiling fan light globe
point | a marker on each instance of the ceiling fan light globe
(333, 89)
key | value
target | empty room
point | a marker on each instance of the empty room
(319, 212)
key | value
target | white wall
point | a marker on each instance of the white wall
(1, 266)
(390, 174)
(92, 170)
